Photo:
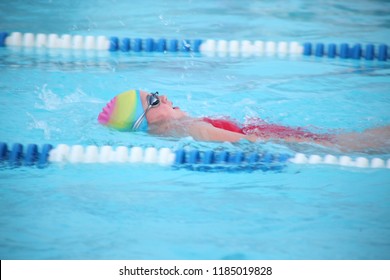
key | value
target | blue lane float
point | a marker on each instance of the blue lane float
(221, 47)
(345, 51)
(18, 155)
(332, 50)
(3, 36)
(31, 155)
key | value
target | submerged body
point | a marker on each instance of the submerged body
(157, 115)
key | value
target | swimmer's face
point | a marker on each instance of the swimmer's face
(164, 111)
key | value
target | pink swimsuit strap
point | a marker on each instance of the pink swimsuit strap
(225, 124)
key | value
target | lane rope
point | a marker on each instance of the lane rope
(209, 46)
(41, 156)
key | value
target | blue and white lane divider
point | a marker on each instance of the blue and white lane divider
(220, 47)
(33, 155)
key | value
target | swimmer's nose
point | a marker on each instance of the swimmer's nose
(163, 98)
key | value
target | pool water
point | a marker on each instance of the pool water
(141, 211)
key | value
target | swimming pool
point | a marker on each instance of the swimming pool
(144, 211)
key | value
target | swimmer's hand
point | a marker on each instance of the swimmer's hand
(253, 138)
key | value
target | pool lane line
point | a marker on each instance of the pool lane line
(41, 156)
(208, 47)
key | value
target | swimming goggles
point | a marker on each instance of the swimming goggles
(153, 101)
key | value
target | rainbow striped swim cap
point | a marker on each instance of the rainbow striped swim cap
(123, 111)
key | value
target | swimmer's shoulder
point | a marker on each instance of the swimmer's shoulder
(176, 127)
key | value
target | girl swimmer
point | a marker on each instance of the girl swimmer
(139, 110)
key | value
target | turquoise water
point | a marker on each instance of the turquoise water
(152, 212)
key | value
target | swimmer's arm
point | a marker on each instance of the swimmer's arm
(206, 132)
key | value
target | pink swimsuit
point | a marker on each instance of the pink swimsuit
(262, 129)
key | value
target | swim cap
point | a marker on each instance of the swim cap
(123, 111)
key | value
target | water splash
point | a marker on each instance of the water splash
(51, 101)
(42, 125)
